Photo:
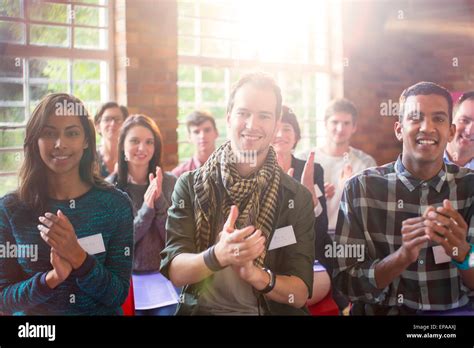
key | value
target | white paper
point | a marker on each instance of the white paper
(92, 244)
(282, 237)
(318, 191)
(153, 291)
(440, 255)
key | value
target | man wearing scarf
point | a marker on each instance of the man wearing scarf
(240, 235)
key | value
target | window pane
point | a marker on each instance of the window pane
(219, 113)
(186, 8)
(10, 161)
(11, 91)
(227, 29)
(185, 151)
(217, 9)
(186, 94)
(236, 74)
(7, 184)
(49, 12)
(321, 29)
(244, 50)
(186, 26)
(186, 73)
(11, 8)
(12, 32)
(320, 128)
(12, 137)
(322, 89)
(52, 69)
(299, 112)
(48, 35)
(187, 46)
(90, 38)
(39, 91)
(293, 92)
(86, 70)
(95, 2)
(183, 113)
(12, 114)
(87, 91)
(212, 75)
(11, 67)
(214, 95)
(94, 16)
(221, 125)
(182, 132)
(215, 28)
(215, 48)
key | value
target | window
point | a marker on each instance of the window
(55, 23)
(218, 41)
(50, 46)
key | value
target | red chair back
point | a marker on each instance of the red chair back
(327, 306)
(128, 306)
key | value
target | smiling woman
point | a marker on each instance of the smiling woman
(60, 188)
(139, 158)
(49, 135)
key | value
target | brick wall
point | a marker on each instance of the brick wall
(146, 65)
(390, 45)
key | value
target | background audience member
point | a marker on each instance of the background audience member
(140, 175)
(460, 150)
(108, 121)
(202, 134)
(286, 139)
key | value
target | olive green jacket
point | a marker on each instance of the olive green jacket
(295, 208)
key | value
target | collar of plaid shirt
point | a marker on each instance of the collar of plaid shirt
(412, 182)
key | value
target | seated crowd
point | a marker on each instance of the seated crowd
(248, 227)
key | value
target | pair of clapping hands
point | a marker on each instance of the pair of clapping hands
(66, 253)
(443, 225)
(239, 247)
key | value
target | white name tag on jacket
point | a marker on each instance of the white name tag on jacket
(440, 255)
(282, 237)
(92, 244)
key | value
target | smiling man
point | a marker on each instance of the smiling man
(240, 232)
(413, 218)
(460, 150)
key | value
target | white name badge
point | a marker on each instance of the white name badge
(282, 237)
(440, 255)
(92, 244)
(318, 191)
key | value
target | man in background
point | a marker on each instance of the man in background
(460, 150)
(202, 133)
(339, 160)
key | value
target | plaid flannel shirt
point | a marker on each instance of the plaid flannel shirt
(373, 207)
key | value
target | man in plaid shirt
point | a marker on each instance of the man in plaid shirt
(411, 219)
